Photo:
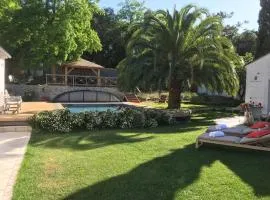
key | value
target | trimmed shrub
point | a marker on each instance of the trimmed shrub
(77, 120)
(90, 120)
(215, 100)
(187, 96)
(64, 121)
(151, 123)
(107, 119)
(54, 121)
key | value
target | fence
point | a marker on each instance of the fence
(82, 81)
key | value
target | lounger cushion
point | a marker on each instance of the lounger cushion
(260, 125)
(257, 134)
(229, 139)
(239, 129)
(246, 140)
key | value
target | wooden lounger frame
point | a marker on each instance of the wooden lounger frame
(200, 142)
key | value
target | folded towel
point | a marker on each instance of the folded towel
(216, 134)
(221, 126)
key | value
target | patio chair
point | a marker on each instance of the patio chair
(235, 141)
(12, 103)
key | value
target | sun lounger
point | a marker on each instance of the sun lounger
(235, 141)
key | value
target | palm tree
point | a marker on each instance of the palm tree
(191, 50)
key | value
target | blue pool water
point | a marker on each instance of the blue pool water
(76, 108)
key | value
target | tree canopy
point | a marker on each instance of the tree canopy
(264, 27)
(181, 48)
(131, 11)
(113, 34)
(49, 32)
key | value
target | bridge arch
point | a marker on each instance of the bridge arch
(87, 96)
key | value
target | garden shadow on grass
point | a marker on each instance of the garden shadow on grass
(85, 140)
(161, 177)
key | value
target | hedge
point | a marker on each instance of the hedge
(64, 121)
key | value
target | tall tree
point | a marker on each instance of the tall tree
(241, 73)
(245, 42)
(264, 27)
(193, 47)
(50, 32)
(131, 11)
(112, 34)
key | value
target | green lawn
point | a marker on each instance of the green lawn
(152, 164)
(184, 105)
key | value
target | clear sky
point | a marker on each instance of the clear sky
(243, 9)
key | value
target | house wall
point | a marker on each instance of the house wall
(2, 76)
(257, 86)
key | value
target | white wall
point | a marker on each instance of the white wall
(2, 76)
(258, 74)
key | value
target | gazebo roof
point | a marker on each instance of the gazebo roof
(4, 54)
(83, 64)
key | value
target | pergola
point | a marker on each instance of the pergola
(82, 64)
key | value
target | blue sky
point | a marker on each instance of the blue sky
(243, 9)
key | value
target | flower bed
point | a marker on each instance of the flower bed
(64, 121)
(254, 108)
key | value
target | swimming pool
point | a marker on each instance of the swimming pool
(76, 108)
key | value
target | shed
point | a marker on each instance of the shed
(3, 56)
(258, 83)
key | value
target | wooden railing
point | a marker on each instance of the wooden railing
(82, 81)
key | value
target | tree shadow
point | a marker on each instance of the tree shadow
(161, 177)
(86, 140)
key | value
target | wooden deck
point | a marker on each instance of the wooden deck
(28, 110)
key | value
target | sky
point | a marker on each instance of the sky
(243, 9)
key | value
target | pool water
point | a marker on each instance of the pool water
(76, 108)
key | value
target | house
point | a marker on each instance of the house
(3, 56)
(258, 83)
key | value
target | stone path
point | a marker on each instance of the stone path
(12, 149)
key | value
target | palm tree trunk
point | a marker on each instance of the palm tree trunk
(174, 84)
(174, 101)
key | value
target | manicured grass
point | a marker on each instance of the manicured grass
(184, 105)
(152, 164)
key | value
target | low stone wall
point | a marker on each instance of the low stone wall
(43, 92)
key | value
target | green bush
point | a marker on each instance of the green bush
(161, 116)
(125, 118)
(107, 119)
(187, 96)
(90, 120)
(65, 121)
(77, 120)
(215, 100)
(55, 121)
